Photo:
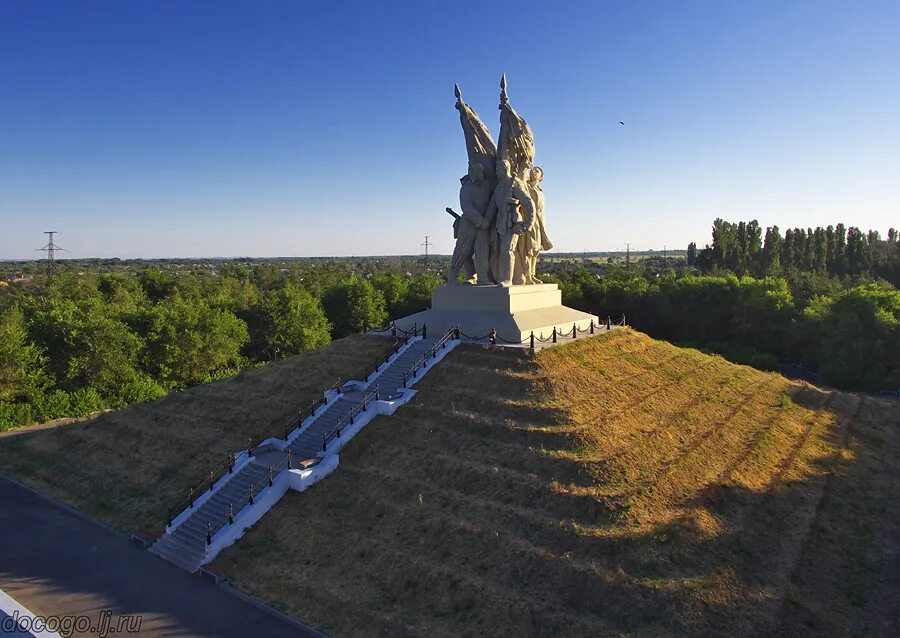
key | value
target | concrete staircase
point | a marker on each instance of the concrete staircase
(185, 545)
(389, 381)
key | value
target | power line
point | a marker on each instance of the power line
(426, 243)
(51, 248)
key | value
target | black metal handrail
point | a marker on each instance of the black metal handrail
(235, 507)
(198, 490)
(369, 370)
(452, 333)
(348, 419)
(218, 472)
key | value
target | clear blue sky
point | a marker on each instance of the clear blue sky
(143, 129)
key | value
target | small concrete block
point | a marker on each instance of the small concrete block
(213, 576)
(140, 538)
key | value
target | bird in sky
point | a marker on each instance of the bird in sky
(622, 123)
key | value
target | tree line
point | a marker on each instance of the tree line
(825, 299)
(88, 339)
(107, 335)
(836, 250)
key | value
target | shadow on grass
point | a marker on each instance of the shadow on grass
(466, 514)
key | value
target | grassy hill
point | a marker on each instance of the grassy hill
(614, 485)
(128, 467)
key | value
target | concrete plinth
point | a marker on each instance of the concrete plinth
(514, 312)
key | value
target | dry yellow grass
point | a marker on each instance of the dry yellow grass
(128, 467)
(614, 485)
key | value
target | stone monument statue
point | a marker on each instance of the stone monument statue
(472, 231)
(499, 234)
(516, 142)
(472, 251)
(512, 212)
(501, 231)
(533, 242)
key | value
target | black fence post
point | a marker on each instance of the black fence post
(230, 463)
(607, 324)
(393, 329)
(532, 340)
(211, 480)
(231, 513)
(290, 463)
(574, 331)
(424, 331)
(592, 326)
(249, 447)
(554, 334)
(251, 494)
(456, 333)
(377, 395)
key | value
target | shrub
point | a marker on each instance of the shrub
(85, 401)
(13, 414)
(140, 390)
(55, 405)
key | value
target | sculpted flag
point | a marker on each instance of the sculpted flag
(516, 142)
(479, 143)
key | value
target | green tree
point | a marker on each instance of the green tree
(840, 250)
(691, 254)
(857, 252)
(857, 337)
(353, 306)
(22, 375)
(87, 343)
(292, 321)
(188, 342)
(157, 284)
(770, 257)
(394, 287)
(418, 293)
(820, 251)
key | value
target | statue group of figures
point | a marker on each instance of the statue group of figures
(501, 230)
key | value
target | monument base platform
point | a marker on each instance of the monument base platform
(514, 312)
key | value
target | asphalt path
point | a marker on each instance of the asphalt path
(57, 563)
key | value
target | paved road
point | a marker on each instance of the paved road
(56, 563)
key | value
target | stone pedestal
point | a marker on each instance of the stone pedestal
(513, 312)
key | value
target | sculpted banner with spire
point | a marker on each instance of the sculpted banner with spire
(480, 145)
(502, 230)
